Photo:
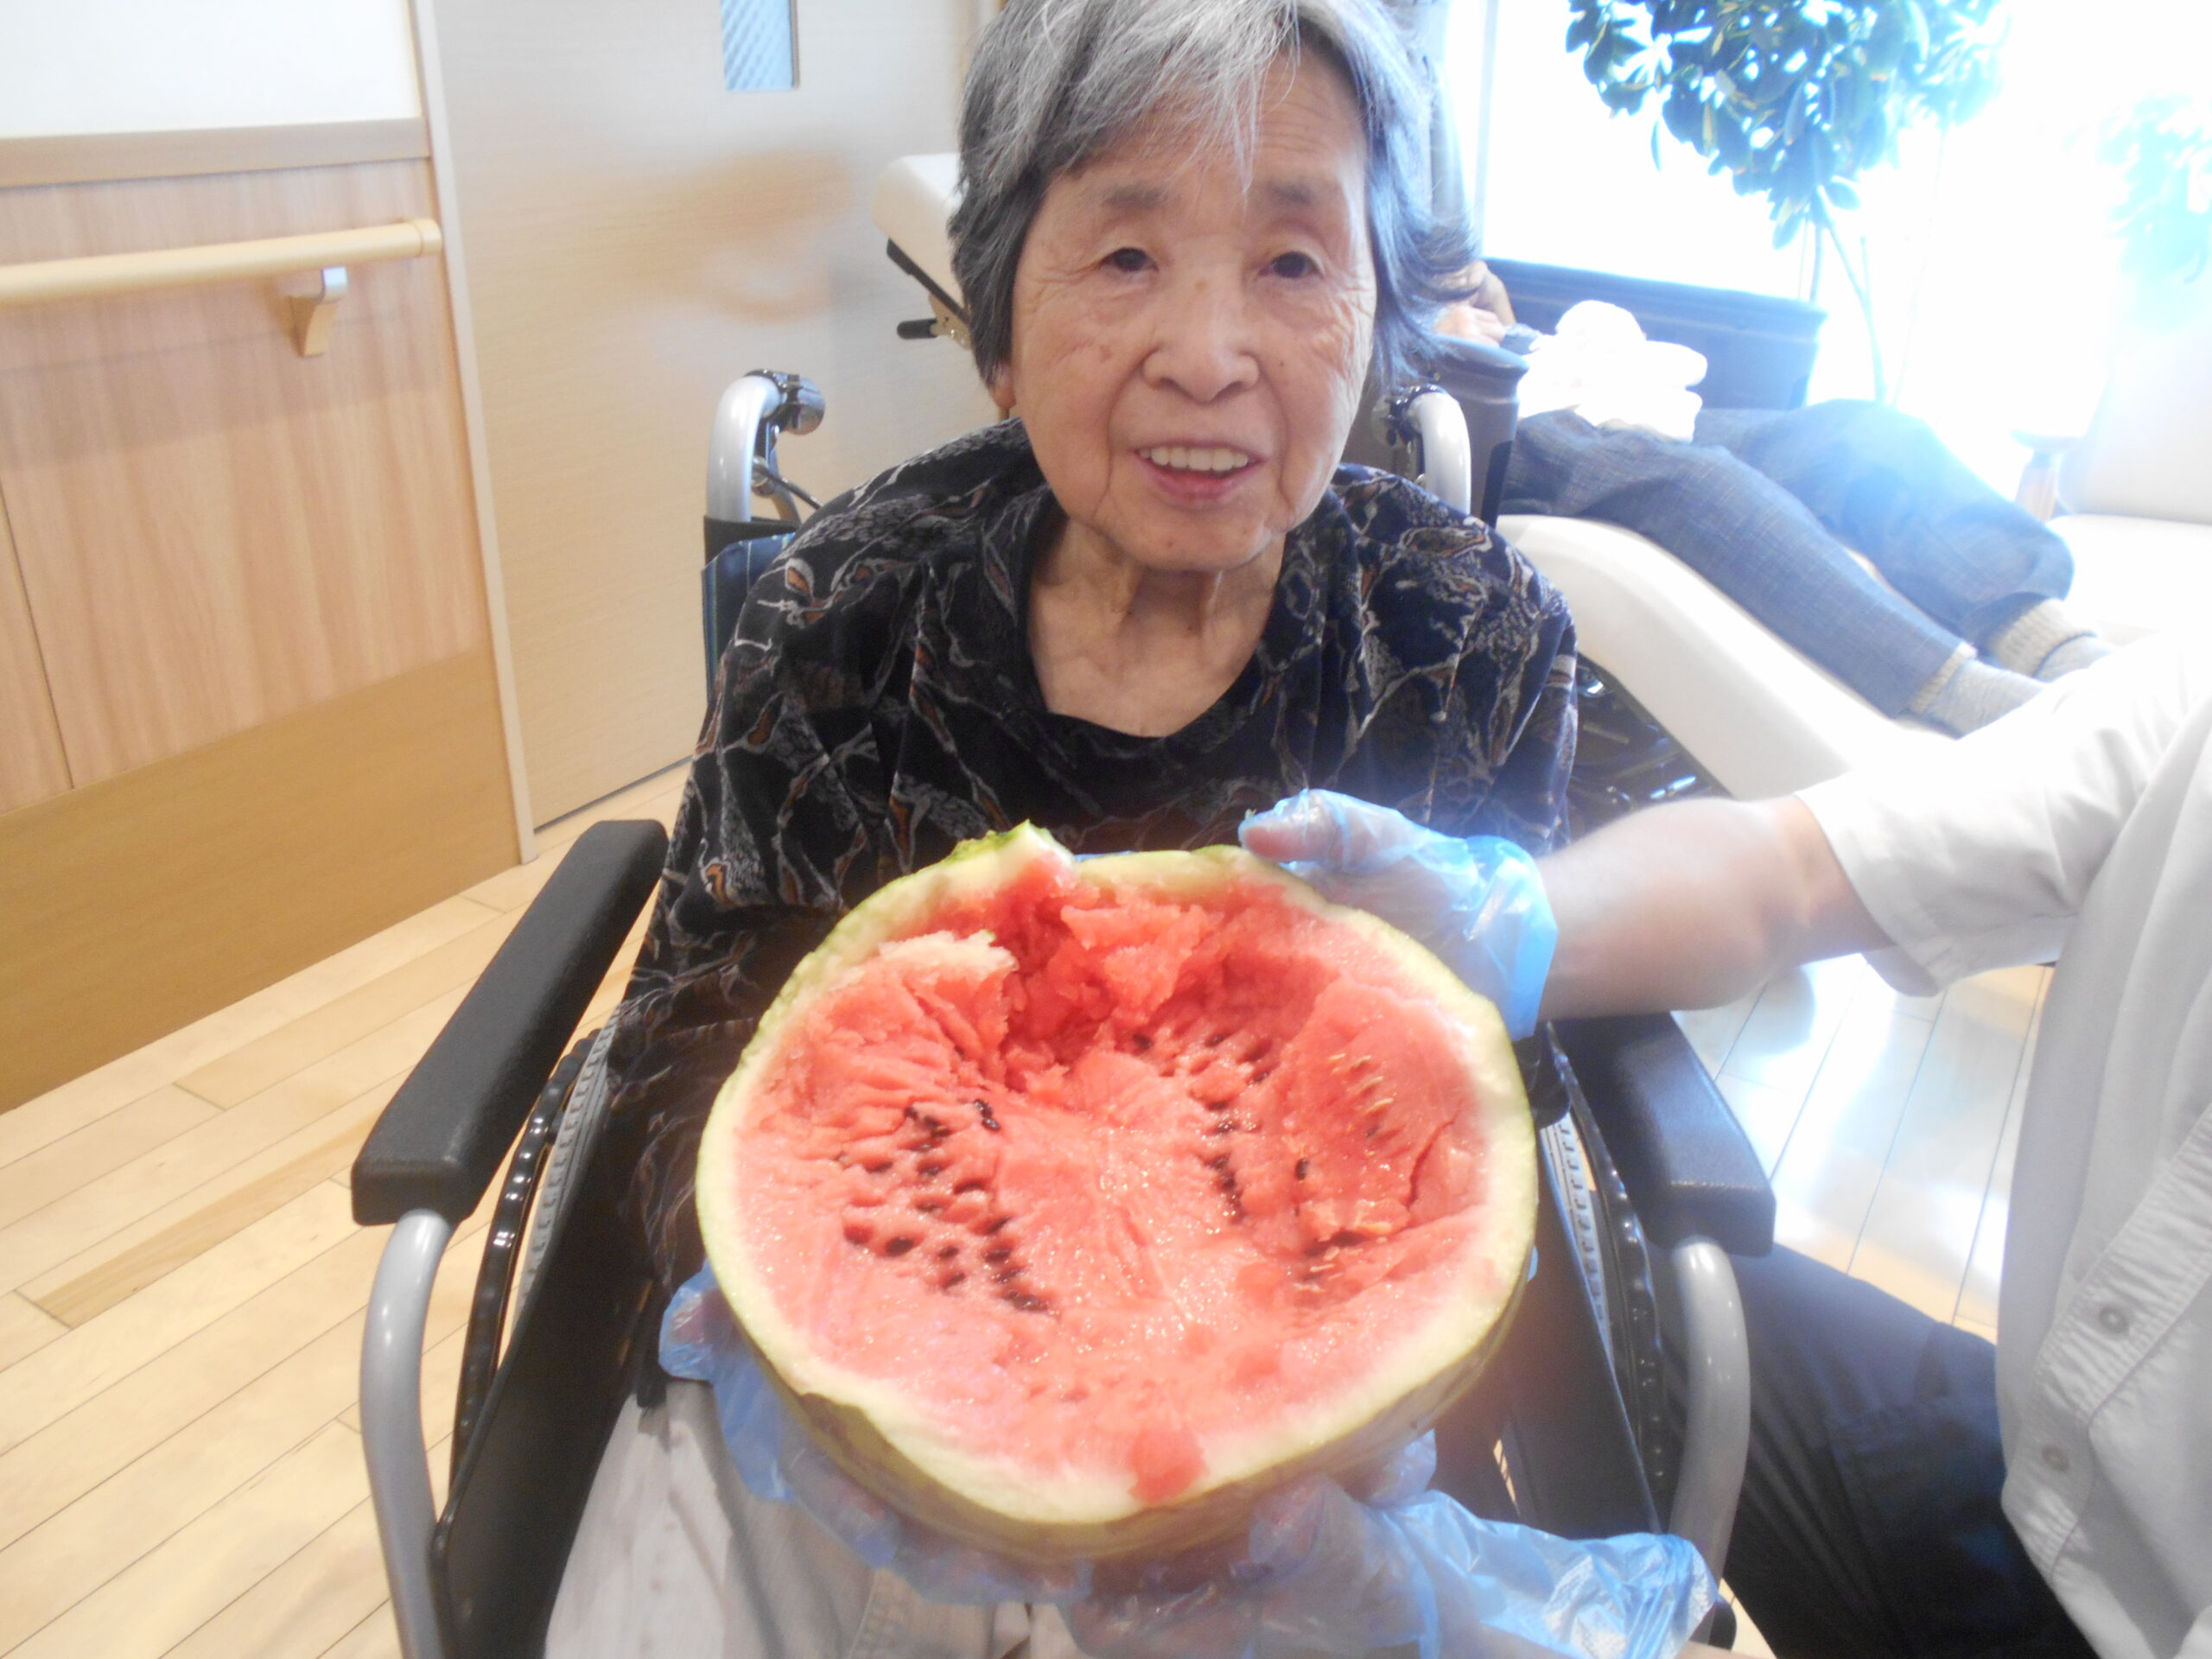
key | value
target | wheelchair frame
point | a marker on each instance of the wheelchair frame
(481, 1578)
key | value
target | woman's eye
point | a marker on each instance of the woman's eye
(1129, 259)
(1293, 265)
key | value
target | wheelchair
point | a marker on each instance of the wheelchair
(1586, 1424)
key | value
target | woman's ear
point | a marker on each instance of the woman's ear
(1000, 383)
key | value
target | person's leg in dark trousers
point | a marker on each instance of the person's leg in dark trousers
(1885, 484)
(1746, 534)
(1870, 1522)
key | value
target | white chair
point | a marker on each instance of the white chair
(2136, 490)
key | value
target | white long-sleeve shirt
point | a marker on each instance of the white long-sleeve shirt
(2081, 826)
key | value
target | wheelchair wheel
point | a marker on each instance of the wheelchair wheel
(1627, 1305)
(1623, 759)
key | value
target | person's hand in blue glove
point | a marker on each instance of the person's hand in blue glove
(1478, 903)
(1372, 1562)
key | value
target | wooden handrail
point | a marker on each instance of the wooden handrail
(276, 255)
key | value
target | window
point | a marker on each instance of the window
(1994, 278)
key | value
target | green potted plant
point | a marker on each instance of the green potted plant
(1794, 98)
(2161, 149)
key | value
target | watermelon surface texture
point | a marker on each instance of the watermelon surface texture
(1073, 1204)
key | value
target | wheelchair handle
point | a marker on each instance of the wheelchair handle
(754, 408)
(1448, 468)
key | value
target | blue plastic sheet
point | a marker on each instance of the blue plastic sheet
(1478, 903)
(1322, 1570)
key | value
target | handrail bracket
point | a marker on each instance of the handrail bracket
(314, 314)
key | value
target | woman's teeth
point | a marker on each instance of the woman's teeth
(1182, 459)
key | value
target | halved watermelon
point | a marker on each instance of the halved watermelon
(1073, 1204)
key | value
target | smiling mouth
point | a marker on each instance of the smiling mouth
(1210, 459)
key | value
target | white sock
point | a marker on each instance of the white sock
(1966, 694)
(2045, 641)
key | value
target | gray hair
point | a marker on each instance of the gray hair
(1057, 82)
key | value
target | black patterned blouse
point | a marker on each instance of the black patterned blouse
(878, 704)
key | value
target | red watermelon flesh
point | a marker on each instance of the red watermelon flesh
(1086, 1190)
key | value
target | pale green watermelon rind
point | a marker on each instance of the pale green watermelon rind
(996, 1501)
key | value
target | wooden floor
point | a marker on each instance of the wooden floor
(182, 1299)
(181, 1287)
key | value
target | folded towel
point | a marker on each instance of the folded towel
(1599, 365)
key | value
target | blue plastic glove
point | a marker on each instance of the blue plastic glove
(1320, 1571)
(1478, 904)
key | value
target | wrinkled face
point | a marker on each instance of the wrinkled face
(1189, 343)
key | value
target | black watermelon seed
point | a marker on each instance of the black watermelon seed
(983, 1112)
(898, 1246)
(998, 1252)
(930, 1170)
(1305, 1168)
(1141, 1043)
(1022, 1301)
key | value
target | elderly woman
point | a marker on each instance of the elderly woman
(1144, 606)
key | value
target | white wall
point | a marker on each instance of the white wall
(73, 66)
(636, 237)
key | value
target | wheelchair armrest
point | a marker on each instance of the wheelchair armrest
(1473, 359)
(1681, 1154)
(438, 1143)
(1485, 379)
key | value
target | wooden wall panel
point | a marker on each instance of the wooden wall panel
(134, 905)
(214, 531)
(88, 158)
(31, 764)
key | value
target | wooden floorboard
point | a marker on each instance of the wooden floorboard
(182, 1290)
(374, 1637)
(108, 1142)
(24, 1329)
(1920, 1228)
(1826, 1180)
(134, 1509)
(140, 1197)
(160, 1600)
(298, 1044)
(1977, 1294)
(37, 1390)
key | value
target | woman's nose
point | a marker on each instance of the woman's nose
(1203, 347)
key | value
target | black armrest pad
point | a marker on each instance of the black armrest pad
(1452, 357)
(438, 1143)
(1681, 1154)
